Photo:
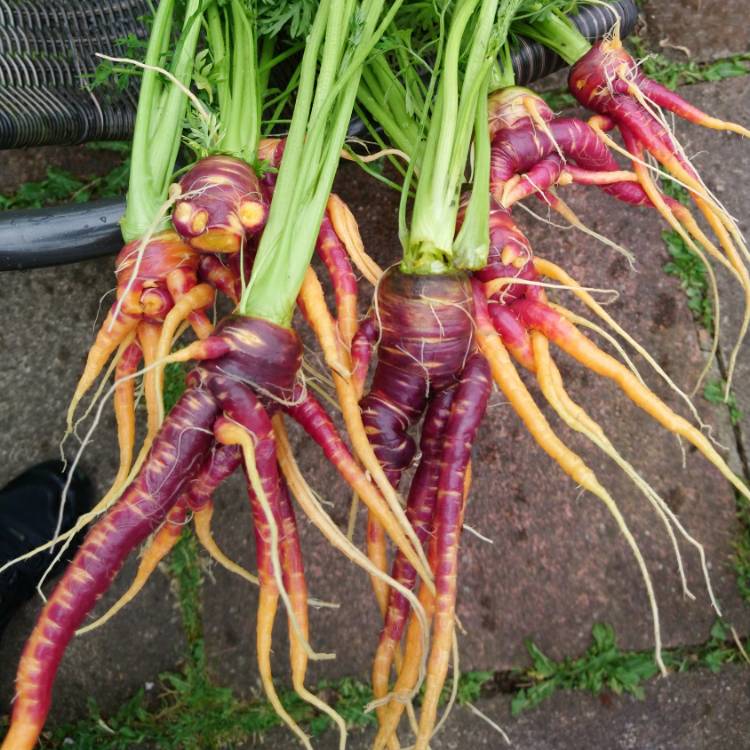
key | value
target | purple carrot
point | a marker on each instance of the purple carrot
(467, 411)
(174, 457)
(425, 338)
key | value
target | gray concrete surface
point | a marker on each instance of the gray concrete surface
(556, 564)
(698, 29)
(690, 711)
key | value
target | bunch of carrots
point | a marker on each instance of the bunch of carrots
(242, 121)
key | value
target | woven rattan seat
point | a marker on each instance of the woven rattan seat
(48, 57)
(47, 61)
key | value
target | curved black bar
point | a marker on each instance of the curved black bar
(532, 60)
(53, 236)
(65, 234)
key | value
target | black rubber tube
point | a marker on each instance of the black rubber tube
(54, 236)
(66, 234)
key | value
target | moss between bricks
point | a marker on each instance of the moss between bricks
(189, 711)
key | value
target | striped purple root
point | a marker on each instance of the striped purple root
(425, 337)
(173, 459)
(467, 411)
(420, 509)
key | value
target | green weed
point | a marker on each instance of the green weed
(741, 558)
(687, 266)
(61, 186)
(713, 392)
(674, 73)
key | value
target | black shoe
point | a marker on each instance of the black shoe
(29, 507)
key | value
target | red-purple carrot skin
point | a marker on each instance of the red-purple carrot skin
(174, 457)
(543, 175)
(221, 463)
(225, 202)
(519, 146)
(426, 335)
(506, 237)
(156, 302)
(332, 252)
(308, 412)
(128, 364)
(243, 407)
(290, 550)
(541, 317)
(507, 111)
(594, 82)
(466, 414)
(420, 507)
(145, 276)
(362, 346)
(256, 352)
(221, 276)
(514, 335)
(668, 99)
(162, 254)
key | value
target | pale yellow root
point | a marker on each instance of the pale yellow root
(157, 549)
(22, 736)
(234, 434)
(124, 405)
(377, 552)
(572, 341)
(509, 382)
(454, 637)
(111, 367)
(351, 523)
(714, 212)
(105, 343)
(718, 226)
(345, 226)
(202, 519)
(656, 198)
(267, 606)
(391, 716)
(707, 121)
(547, 268)
(456, 669)
(415, 655)
(585, 323)
(562, 208)
(312, 508)
(576, 418)
(197, 298)
(297, 654)
(608, 178)
(325, 329)
(148, 336)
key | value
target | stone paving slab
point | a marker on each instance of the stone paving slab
(724, 159)
(689, 711)
(557, 563)
(707, 30)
